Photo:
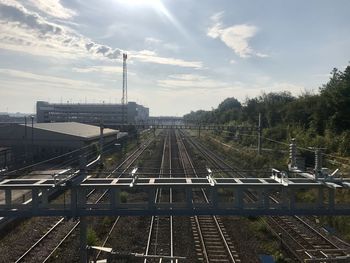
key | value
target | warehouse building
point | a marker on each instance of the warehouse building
(91, 113)
(45, 140)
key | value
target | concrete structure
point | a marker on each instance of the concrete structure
(45, 140)
(90, 113)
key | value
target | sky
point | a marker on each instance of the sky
(183, 55)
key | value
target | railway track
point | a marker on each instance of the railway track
(304, 242)
(43, 249)
(212, 242)
(160, 235)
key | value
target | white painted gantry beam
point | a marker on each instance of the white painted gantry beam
(227, 196)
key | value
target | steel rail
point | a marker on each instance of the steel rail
(312, 229)
(133, 156)
(155, 220)
(215, 218)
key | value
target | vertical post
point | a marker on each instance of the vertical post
(8, 198)
(25, 140)
(320, 197)
(82, 164)
(214, 196)
(101, 142)
(291, 199)
(318, 163)
(83, 239)
(292, 154)
(78, 202)
(5, 161)
(25, 127)
(259, 134)
(238, 198)
(199, 130)
(112, 196)
(189, 197)
(331, 193)
(35, 198)
(151, 198)
(44, 198)
(32, 151)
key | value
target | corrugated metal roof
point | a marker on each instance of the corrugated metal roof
(74, 129)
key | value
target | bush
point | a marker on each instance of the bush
(92, 239)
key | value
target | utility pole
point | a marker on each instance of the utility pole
(101, 142)
(82, 219)
(259, 134)
(25, 140)
(125, 90)
(32, 117)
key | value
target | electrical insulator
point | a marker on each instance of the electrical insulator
(292, 153)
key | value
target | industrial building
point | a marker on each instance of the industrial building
(90, 113)
(45, 140)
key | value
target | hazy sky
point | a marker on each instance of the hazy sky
(183, 54)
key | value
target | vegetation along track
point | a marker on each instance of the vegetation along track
(302, 241)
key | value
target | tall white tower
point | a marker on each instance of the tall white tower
(125, 81)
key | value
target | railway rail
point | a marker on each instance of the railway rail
(43, 249)
(303, 241)
(160, 235)
(212, 241)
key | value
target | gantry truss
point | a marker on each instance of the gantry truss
(156, 125)
(227, 196)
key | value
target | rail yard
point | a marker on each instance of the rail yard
(168, 153)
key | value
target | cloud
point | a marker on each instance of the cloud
(49, 81)
(190, 81)
(100, 69)
(235, 37)
(152, 40)
(26, 31)
(155, 42)
(152, 57)
(112, 70)
(53, 8)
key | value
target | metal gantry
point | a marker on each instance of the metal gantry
(226, 197)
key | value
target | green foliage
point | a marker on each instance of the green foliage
(314, 119)
(92, 239)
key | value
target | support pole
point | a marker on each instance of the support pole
(292, 155)
(318, 163)
(83, 239)
(101, 142)
(259, 134)
(320, 199)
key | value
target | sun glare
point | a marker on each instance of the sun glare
(152, 3)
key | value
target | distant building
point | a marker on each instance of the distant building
(47, 140)
(91, 113)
